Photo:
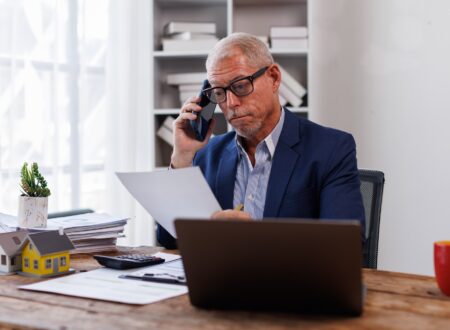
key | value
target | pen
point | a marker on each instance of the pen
(239, 207)
(159, 278)
(163, 279)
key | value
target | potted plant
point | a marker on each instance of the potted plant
(33, 203)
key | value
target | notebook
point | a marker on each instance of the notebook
(305, 266)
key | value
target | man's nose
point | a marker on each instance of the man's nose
(232, 100)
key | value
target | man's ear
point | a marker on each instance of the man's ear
(275, 74)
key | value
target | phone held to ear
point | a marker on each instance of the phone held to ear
(201, 124)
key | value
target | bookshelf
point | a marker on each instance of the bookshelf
(252, 16)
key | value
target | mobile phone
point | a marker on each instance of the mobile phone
(201, 124)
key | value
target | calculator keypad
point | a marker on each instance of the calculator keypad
(128, 261)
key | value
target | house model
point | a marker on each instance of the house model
(46, 254)
(11, 250)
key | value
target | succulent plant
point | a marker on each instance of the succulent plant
(32, 182)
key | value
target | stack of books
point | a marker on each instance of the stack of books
(189, 84)
(290, 91)
(189, 36)
(289, 37)
(165, 131)
(89, 232)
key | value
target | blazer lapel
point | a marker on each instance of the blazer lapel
(283, 164)
(226, 175)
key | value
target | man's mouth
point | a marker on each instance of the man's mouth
(235, 117)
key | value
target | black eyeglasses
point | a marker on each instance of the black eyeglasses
(239, 87)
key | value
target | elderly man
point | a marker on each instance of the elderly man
(274, 163)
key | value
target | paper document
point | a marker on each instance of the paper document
(172, 267)
(167, 195)
(8, 222)
(105, 284)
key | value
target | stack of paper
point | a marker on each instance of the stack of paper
(290, 91)
(188, 36)
(289, 37)
(189, 84)
(7, 223)
(89, 232)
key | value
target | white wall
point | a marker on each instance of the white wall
(381, 70)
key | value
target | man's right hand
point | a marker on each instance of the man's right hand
(185, 143)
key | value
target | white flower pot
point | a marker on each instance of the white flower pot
(33, 211)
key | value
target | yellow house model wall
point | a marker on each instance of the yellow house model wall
(42, 263)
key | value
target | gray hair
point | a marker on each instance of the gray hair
(255, 51)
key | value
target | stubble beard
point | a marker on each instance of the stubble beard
(247, 132)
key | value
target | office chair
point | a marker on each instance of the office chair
(372, 183)
(69, 213)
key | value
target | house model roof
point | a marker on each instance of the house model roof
(11, 242)
(48, 242)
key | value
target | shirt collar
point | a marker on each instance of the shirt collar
(271, 140)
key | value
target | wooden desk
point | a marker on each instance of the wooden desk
(393, 301)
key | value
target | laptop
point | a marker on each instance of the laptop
(305, 266)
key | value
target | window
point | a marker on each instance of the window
(13, 261)
(31, 246)
(48, 263)
(16, 240)
(3, 259)
(26, 263)
(63, 261)
(52, 98)
(36, 264)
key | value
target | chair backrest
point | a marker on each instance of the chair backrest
(372, 183)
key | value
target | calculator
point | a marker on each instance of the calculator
(128, 261)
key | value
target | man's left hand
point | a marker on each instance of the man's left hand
(231, 214)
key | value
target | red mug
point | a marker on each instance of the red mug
(442, 265)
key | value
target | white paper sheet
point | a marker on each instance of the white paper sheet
(8, 223)
(105, 284)
(167, 195)
(171, 267)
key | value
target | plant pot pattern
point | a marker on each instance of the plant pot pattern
(33, 211)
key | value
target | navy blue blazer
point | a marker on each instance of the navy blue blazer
(314, 174)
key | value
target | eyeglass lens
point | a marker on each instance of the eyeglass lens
(241, 87)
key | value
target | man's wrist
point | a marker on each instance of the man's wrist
(179, 161)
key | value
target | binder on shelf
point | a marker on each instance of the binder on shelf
(165, 131)
(190, 36)
(185, 95)
(292, 83)
(289, 95)
(289, 43)
(172, 45)
(180, 27)
(186, 78)
(289, 32)
(264, 39)
(189, 87)
(283, 101)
